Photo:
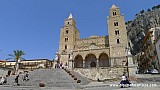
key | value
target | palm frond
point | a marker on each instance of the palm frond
(17, 54)
(11, 55)
(9, 58)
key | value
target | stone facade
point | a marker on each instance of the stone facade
(94, 51)
(117, 36)
(104, 73)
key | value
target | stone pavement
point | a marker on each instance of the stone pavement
(91, 86)
(114, 86)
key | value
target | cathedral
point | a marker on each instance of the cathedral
(94, 51)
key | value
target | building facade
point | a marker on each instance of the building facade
(2, 63)
(30, 64)
(94, 51)
(100, 56)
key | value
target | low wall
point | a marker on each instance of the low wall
(103, 73)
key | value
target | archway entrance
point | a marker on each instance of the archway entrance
(9, 72)
(104, 60)
(90, 61)
(93, 64)
(78, 61)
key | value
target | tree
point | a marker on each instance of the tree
(158, 6)
(142, 11)
(149, 10)
(17, 56)
(154, 7)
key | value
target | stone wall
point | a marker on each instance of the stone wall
(4, 72)
(92, 42)
(104, 73)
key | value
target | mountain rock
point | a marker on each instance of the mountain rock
(138, 27)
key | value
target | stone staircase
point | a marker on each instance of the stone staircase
(51, 78)
(83, 79)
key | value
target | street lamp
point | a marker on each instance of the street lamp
(127, 49)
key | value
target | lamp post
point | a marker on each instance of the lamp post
(127, 49)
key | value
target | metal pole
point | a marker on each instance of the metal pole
(127, 49)
(127, 62)
(127, 67)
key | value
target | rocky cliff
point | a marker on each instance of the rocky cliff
(138, 27)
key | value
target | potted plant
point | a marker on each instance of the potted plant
(78, 81)
(72, 76)
(75, 78)
(41, 84)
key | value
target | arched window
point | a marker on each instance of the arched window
(118, 41)
(66, 39)
(66, 31)
(117, 32)
(116, 23)
(65, 46)
(114, 13)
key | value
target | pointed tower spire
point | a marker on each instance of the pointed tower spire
(70, 16)
(113, 6)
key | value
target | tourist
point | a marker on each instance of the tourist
(27, 76)
(125, 81)
(5, 79)
(61, 64)
(16, 80)
(123, 77)
(57, 66)
(2, 80)
(23, 76)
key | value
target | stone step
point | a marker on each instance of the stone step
(51, 78)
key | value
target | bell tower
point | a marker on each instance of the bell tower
(68, 36)
(117, 37)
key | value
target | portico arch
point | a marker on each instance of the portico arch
(90, 61)
(104, 60)
(78, 61)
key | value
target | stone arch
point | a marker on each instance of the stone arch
(90, 61)
(104, 60)
(78, 61)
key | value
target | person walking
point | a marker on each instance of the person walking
(2, 81)
(16, 80)
(27, 76)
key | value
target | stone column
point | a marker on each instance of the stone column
(97, 63)
(83, 63)
(70, 64)
(112, 62)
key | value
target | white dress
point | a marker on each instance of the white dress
(123, 78)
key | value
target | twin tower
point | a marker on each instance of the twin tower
(94, 51)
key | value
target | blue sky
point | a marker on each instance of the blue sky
(34, 25)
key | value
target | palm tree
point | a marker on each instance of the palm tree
(17, 56)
